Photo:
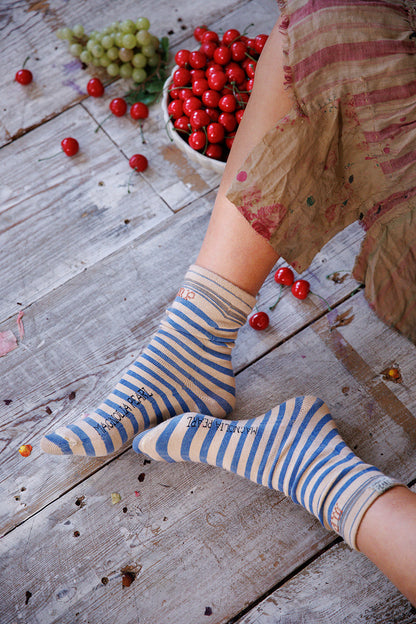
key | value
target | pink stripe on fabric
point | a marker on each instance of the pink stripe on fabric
(389, 133)
(401, 92)
(385, 206)
(399, 163)
(317, 5)
(347, 52)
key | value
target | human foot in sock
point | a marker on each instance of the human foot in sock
(186, 367)
(294, 448)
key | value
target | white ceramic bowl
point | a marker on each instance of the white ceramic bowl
(196, 157)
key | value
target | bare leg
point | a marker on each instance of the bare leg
(231, 247)
(387, 536)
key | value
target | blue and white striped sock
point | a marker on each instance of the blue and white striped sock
(294, 448)
(186, 367)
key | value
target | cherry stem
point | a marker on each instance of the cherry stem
(48, 157)
(251, 57)
(103, 121)
(280, 294)
(324, 300)
(25, 61)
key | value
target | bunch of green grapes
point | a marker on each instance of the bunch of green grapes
(126, 49)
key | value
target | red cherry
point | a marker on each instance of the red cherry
(300, 289)
(213, 113)
(215, 132)
(259, 321)
(139, 110)
(222, 55)
(197, 59)
(118, 107)
(228, 120)
(197, 140)
(239, 115)
(235, 73)
(174, 93)
(208, 48)
(182, 124)
(175, 109)
(199, 31)
(70, 146)
(95, 87)
(210, 35)
(199, 119)
(23, 76)
(214, 150)
(238, 51)
(138, 162)
(217, 81)
(228, 103)
(211, 98)
(213, 67)
(191, 104)
(182, 57)
(230, 35)
(199, 86)
(196, 74)
(259, 42)
(184, 93)
(284, 276)
(251, 68)
(242, 99)
(181, 77)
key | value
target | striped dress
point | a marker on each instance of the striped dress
(347, 149)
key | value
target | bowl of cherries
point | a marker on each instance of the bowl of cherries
(206, 94)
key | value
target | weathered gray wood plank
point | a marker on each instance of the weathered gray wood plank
(60, 216)
(28, 28)
(225, 541)
(340, 587)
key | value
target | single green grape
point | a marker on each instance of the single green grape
(113, 70)
(139, 74)
(129, 41)
(90, 44)
(85, 57)
(139, 60)
(155, 42)
(142, 23)
(75, 49)
(148, 50)
(112, 53)
(143, 37)
(125, 55)
(118, 39)
(126, 70)
(97, 50)
(153, 61)
(128, 26)
(104, 60)
(78, 30)
(107, 41)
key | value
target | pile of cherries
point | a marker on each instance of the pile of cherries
(211, 87)
(284, 277)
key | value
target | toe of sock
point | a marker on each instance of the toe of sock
(54, 444)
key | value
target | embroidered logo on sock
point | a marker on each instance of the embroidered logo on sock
(198, 421)
(336, 517)
(186, 293)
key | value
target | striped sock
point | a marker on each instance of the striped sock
(186, 367)
(294, 448)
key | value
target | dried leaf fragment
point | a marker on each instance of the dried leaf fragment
(344, 318)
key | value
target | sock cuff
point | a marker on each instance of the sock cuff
(233, 300)
(346, 518)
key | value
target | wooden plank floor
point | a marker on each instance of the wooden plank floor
(92, 268)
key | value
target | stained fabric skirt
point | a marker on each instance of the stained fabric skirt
(347, 149)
